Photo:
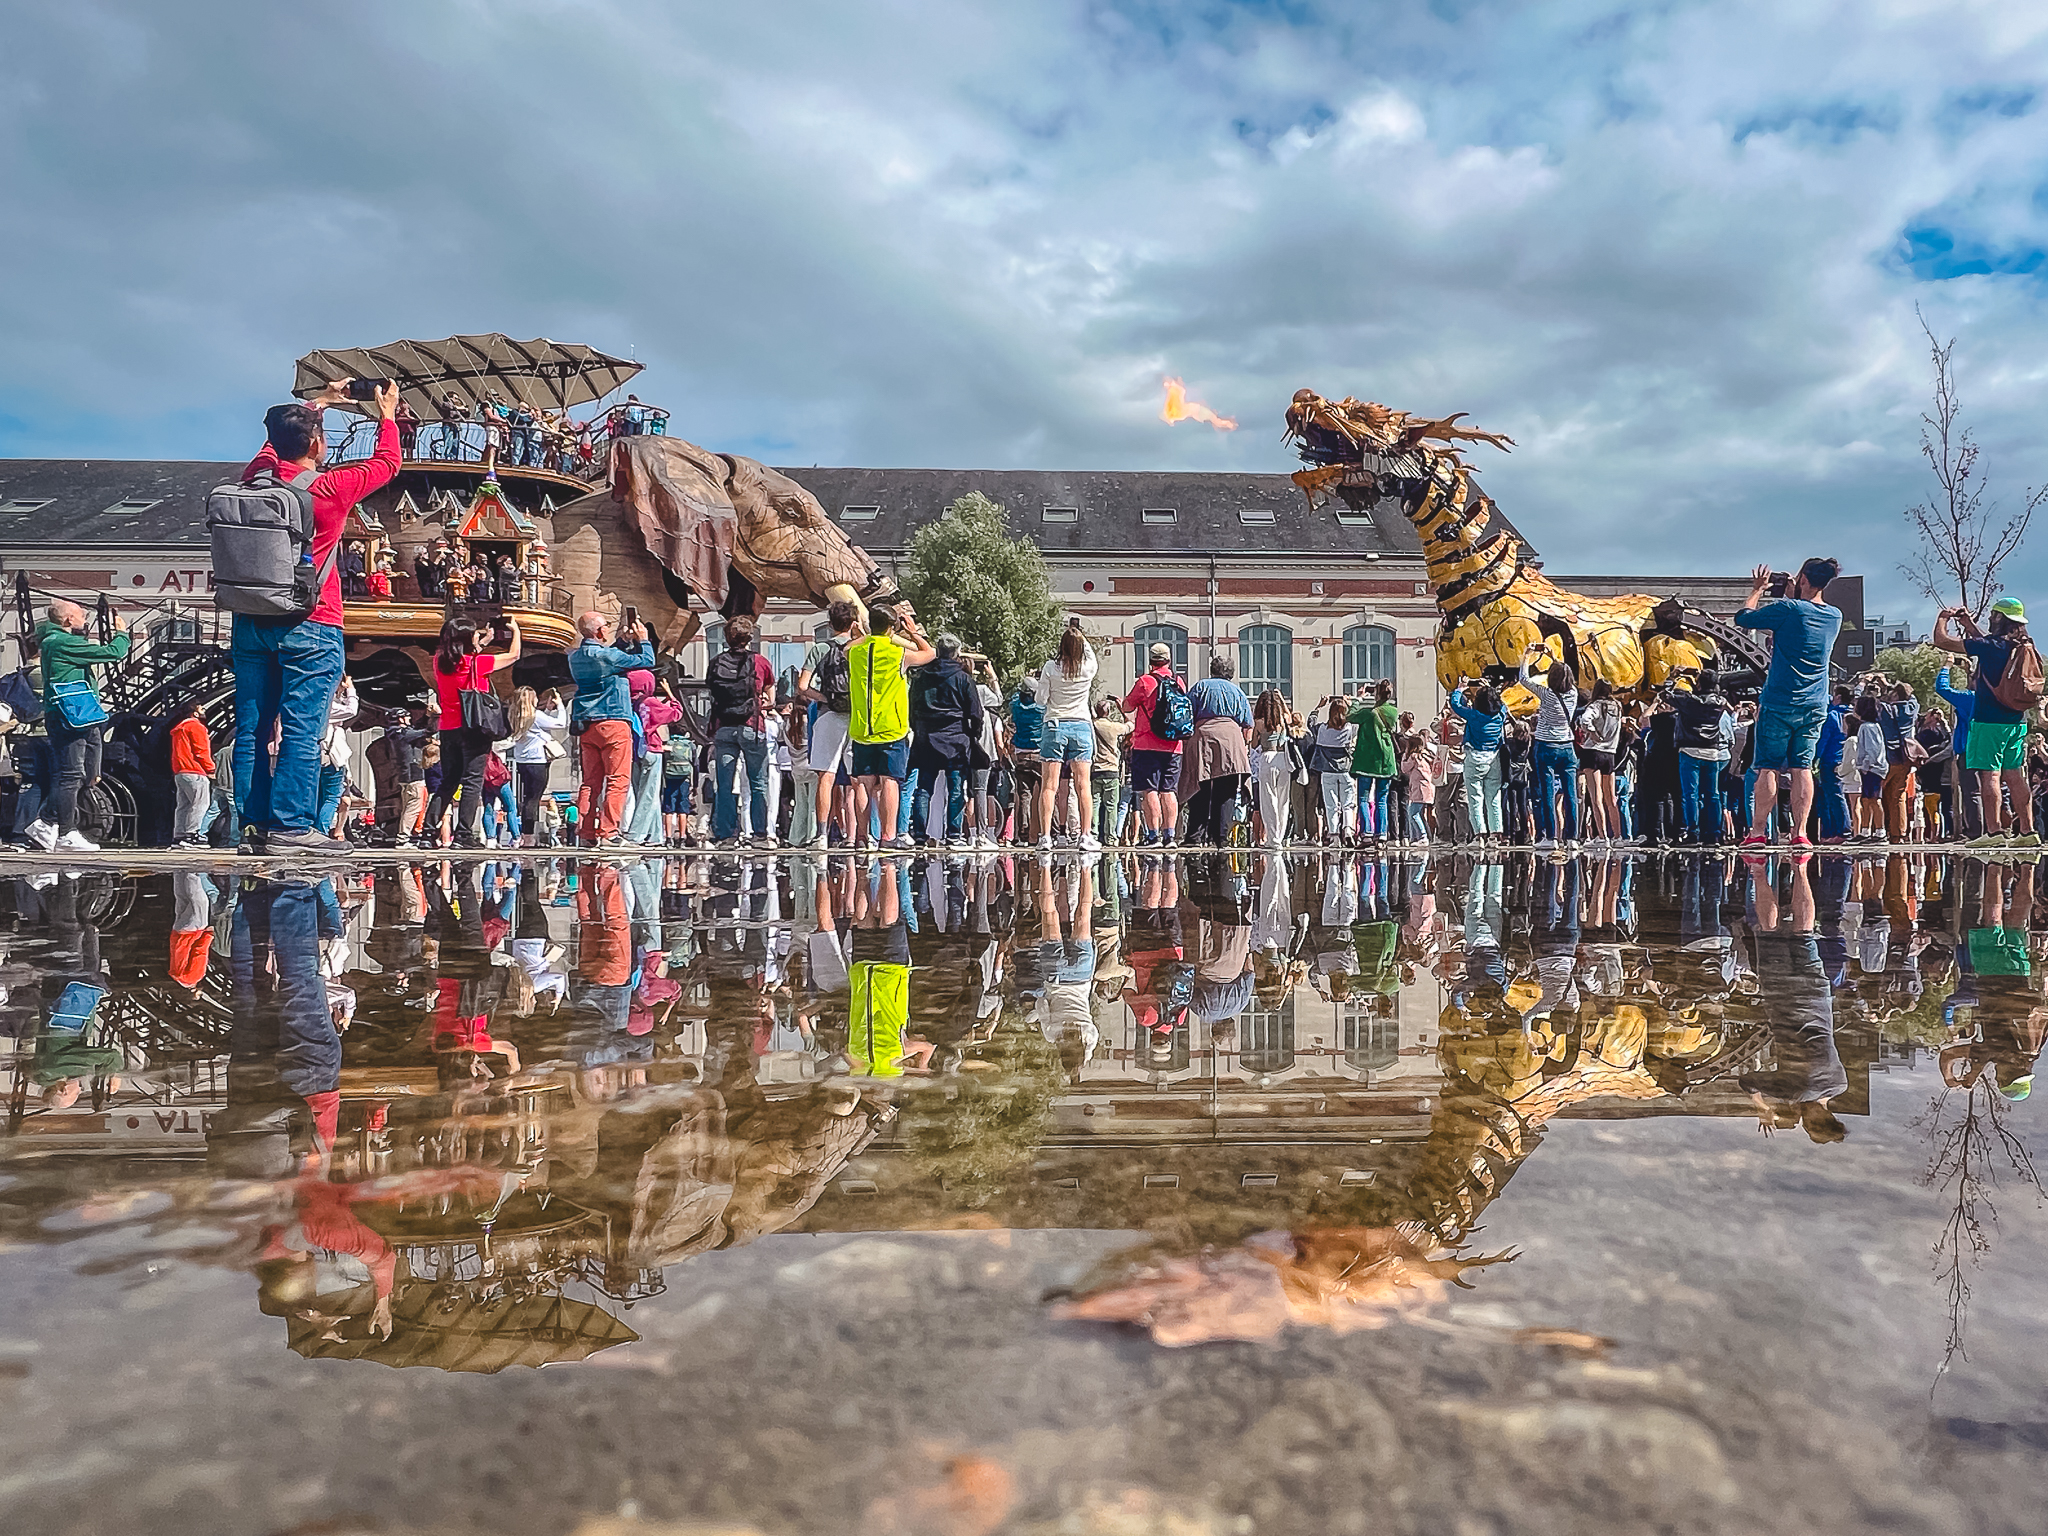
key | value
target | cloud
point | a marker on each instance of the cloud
(1674, 250)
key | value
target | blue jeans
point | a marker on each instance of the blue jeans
(905, 802)
(1699, 792)
(1372, 805)
(956, 799)
(284, 673)
(1625, 803)
(1557, 769)
(1834, 804)
(730, 745)
(282, 1030)
(331, 781)
(503, 803)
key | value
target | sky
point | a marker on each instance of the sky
(1675, 250)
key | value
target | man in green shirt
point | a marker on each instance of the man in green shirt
(74, 719)
(879, 722)
(1372, 757)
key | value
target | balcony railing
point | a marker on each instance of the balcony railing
(583, 453)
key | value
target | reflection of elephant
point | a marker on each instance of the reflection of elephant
(679, 522)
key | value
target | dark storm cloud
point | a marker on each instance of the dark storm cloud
(1674, 251)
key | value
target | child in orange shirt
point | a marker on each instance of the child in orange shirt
(192, 772)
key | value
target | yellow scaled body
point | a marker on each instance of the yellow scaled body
(1494, 606)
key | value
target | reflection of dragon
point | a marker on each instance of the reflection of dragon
(1494, 602)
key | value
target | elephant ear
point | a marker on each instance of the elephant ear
(676, 495)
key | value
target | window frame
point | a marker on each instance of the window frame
(1145, 634)
(1346, 673)
(1266, 636)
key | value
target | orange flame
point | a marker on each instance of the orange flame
(1179, 407)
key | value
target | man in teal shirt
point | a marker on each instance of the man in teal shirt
(1794, 702)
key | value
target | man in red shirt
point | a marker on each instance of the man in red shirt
(1155, 762)
(286, 669)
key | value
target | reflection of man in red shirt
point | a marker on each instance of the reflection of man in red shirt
(292, 665)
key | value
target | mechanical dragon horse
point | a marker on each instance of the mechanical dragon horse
(1495, 605)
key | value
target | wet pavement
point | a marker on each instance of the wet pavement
(1213, 1194)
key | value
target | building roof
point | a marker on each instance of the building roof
(67, 501)
(1108, 511)
(159, 502)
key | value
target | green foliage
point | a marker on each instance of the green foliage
(1916, 666)
(965, 573)
(990, 1132)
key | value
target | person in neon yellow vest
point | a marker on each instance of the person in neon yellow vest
(880, 719)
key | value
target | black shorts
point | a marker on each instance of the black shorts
(1593, 760)
(1154, 772)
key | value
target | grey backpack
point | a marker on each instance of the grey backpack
(261, 530)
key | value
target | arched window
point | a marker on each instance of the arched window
(1266, 1038)
(1265, 659)
(1372, 1038)
(1368, 655)
(1148, 635)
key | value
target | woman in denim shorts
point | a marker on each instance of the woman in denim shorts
(1063, 687)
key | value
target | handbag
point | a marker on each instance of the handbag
(19, 695)
(484, 713)
(76, 705)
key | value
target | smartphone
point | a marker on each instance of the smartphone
(501, 630)
(365, 389)
(630, 619)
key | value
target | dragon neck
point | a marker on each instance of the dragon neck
(1467, 565)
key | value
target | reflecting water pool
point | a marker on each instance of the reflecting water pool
(1236, 1193)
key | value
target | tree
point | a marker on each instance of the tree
(1957, 562)
(965, 573)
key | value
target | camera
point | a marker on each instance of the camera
(365, 389)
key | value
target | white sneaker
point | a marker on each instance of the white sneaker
(1090, 843)
(1546, 844)
(1045, 843)
(42, 833)
(76, 842)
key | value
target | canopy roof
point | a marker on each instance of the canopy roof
(453, 1331)
(552, 375)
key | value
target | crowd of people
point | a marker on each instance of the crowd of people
(513, 433)
(886, 739)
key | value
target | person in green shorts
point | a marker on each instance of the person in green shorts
(1996, 750)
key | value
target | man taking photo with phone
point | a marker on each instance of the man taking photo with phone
(286, 668)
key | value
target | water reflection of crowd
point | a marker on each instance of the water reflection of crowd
(597, 1069)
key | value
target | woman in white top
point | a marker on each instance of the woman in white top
(1069, 736)
(1871, 763)
(536, 721)
(1555, 757)
(1600, 727)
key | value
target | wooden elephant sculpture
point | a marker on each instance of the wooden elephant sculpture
(679, 525)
